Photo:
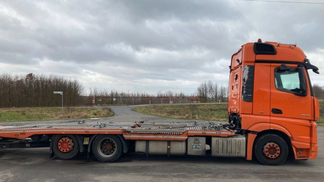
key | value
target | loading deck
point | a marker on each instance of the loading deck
(176, 131)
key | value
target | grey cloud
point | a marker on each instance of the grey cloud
(108, 43)
(183, 10)
(68, 43)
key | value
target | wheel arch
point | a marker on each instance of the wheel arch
(125, 143)
(81, 146)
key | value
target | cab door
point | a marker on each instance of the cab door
(291, 103)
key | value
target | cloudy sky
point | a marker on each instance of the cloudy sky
(149, 46)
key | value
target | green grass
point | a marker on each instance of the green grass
(320, 122)
(211, 112)
(51, 113)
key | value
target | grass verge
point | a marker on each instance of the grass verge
(211, 112)
(320, 121)
(51, 113)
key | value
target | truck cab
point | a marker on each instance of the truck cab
(272, 102)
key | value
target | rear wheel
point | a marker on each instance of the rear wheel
(271, 149)
(107, 148)
(65, 146)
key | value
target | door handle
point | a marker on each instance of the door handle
(276, 111)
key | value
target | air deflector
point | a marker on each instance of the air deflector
(263, 48)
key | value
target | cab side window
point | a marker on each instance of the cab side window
(290, 80)
(247, 83)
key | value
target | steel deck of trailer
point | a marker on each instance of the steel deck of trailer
(173, 131)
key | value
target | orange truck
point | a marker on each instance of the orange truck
(272, 112)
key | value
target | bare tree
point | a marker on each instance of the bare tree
(216, 92)
(318, 91)
(211, 91)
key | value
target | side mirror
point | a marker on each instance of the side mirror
(308, 65)
(300, 92)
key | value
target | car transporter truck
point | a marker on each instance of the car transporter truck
(272, 114)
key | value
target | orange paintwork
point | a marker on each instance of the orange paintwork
(316, 111)
(261, 89)
(255, 123)
(249, 149)
(299, 113)
(234, 93)
(314, 146)
(285, 52)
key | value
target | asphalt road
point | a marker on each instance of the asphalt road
(35, 165)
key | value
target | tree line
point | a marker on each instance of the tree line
(318, 91)
(206, 92)
(97, 97)
(37, 91)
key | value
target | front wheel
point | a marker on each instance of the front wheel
(271, 149)
(107, 148)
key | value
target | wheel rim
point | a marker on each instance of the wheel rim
(107, 147)
(65, 144)
(271, 150)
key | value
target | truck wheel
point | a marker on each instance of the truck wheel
(271, 149)
(107, 148)
(65, 146)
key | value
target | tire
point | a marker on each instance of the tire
(271, 149)
(107, 148)
(65, 146)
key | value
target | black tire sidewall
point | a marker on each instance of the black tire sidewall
(68, 155)
(258, 149)
(111, 158)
